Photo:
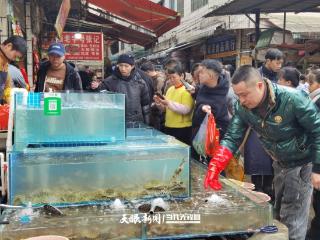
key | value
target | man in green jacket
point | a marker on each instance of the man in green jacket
(288, 125)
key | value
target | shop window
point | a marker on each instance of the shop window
(114, 48)
(196, 4)
(180, 7)
(172, 4)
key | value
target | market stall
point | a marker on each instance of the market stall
(108, 182)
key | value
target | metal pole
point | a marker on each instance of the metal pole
(284, 27)
(238, 47)
(4, 20)
(257, 28)
(29, 42)
(257, 25)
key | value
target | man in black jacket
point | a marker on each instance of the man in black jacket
(211, 97)
(56, 74)
(125, 79)
(272, 65)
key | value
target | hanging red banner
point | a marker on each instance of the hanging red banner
(88, 47)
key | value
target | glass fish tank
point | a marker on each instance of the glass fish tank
(85, 117)
(205, 213)
(142, 131)
(208, 213)
(87, 222)
(86, 174)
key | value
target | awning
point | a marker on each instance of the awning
(295, 23)
(121, 32)
(265, 6)
(309, 46)
(265, 38)
(186, 45)
(145, 13)
(166, 52)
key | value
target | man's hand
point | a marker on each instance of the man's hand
(217, 164)
(95, 84)
(206, 109)
(315, 178)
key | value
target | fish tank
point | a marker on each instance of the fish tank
(209, 213)
(142, 131)
(85, 117)
(86, 174)
(206, 213)
(86, 222)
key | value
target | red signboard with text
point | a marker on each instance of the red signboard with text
(88, 47)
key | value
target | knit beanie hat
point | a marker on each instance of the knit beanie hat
(126, 58)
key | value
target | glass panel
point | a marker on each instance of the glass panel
(180, 7)
(133, 169)
(209, 213)
(196, 4)
(229, 211)
(93, 222)
(172, 4)
(85, 117)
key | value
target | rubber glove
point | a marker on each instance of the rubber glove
(217, 164)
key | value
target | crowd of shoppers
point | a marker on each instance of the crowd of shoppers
(270, 105)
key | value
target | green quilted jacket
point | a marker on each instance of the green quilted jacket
(290, 132)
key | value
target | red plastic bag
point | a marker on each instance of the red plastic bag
(212, 136)
(4, 116)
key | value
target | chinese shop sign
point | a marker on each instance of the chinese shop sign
(88, 47)
(221, 46)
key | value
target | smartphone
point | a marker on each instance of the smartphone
(187, 85)
(159, 95)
